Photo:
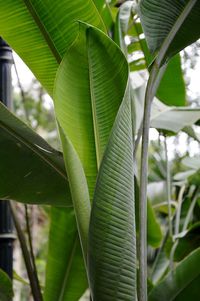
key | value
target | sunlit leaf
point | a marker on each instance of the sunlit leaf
(41, 31)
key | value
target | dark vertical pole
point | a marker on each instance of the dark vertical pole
(6, 224)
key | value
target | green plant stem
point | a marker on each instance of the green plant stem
(168, 188)
(143, 192)
(178, 212)
(35, 288)
(150, 93)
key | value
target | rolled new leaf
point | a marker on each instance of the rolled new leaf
(112, 234)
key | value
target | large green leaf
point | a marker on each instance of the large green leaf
(88, 91)
(112, 235)
(182, 284)
(66, 278)
(31, 170)
(158, 18)
(6, 291)
(41, 31)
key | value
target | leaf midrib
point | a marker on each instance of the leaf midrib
(43, 30)
(34, 149)
(94, 111)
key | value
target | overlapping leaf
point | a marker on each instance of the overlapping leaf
(89, 88)
(93, 75)
(112, 236)
(86, 105)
